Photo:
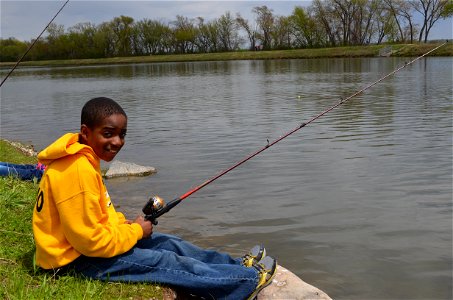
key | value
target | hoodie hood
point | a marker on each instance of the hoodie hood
(66, 145)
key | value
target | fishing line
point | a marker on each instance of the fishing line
(31, 46)
(155, 207)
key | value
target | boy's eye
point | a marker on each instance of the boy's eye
(122, 135)
(107, 134)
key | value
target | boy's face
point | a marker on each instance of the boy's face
(107, 138)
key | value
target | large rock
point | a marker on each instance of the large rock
(121, 169)
(285, 286)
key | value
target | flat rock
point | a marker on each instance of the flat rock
(285, 286)
(124, 169)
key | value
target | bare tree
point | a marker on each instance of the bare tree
(401, 10)
(251, 33)
(362, 29)
(208, 36)
(324, 15)
(432, 11)
(344, 12)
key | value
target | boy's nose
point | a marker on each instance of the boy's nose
(117, 141)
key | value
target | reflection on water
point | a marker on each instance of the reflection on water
(357, 203)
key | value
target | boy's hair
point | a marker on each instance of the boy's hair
(97, 109)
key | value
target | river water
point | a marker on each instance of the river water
(358, 203)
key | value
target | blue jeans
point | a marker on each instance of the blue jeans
(169, 260)
(24, 172)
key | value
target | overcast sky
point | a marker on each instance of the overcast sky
(24, 20)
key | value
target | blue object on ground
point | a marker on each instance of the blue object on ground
(24, 171)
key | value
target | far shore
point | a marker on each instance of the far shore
(393, 50)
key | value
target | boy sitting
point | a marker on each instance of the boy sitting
(76, 227)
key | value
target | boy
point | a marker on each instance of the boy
(77, 228)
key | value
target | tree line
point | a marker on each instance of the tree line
(325, 23)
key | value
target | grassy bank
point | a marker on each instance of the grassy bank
(357, 51)
(19, 278)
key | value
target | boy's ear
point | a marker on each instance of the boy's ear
(84, 132)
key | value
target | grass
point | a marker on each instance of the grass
(353, 51)
(19, 279)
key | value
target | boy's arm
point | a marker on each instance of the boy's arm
(121, 218)
(87, 228)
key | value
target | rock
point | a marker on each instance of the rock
(120, 169)
(286, 285)
(28, 150)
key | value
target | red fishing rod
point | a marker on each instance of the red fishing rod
(156, 207)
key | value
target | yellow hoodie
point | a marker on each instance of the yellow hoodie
(73, 213)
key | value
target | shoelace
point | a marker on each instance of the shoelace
(247, 260)
(263, 273)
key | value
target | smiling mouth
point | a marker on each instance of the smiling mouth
(113, 151)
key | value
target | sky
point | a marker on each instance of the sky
(24, 20)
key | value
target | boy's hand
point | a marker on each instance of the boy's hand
(147, 226)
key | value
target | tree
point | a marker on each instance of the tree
(56, 41)
(208, 36)
(185, 34)
(282, 33)
(431, 11)
(228, 32)
(11, 49)
(153, 36)
(401, 10)
(251, 33)
(324, 16)
(364, 20)
(265, 21)
(385, 25)
(343, 11)
(305, 30)
(122, 28)
(82, 38)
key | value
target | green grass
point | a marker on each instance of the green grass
(19, 279)
(352, 51)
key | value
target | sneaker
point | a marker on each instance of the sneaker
(266, 271)
(254, 256)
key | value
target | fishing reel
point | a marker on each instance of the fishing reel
(152, 208)
(156, 207)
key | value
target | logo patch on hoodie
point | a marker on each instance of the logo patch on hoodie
(107, 196)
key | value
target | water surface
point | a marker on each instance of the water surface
(358, 203)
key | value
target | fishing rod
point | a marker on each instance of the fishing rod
(156, 206)
(34, 42)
